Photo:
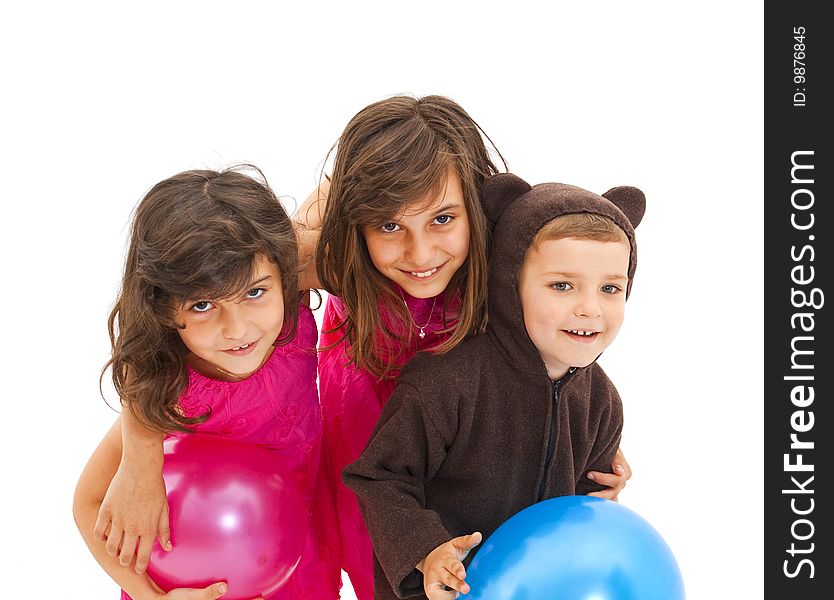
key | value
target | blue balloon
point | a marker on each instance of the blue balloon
(575, 548)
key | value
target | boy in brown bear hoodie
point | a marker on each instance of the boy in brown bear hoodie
(514, 415)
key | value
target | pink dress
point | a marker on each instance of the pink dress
(278, 407)
(352, 401)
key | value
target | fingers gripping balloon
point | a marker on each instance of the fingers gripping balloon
(575, 548)
(233, 518)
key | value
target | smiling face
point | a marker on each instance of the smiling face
(422, 248)
(235, 336)
(573, 299)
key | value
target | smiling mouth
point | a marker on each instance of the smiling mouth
(423, 274)
(582, 334)
(242, 349)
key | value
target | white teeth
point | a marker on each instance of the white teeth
(585, 333)
(241, 347)
(425, 273)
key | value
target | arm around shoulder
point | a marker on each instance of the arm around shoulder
(89, 493)
(310, 213)
(135, 507)
(307, 221)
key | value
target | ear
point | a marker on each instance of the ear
(499, 191)
(630, 200)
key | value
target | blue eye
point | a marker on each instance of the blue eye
(610, 289)
(443, 219)
(255, 293)
(390, 228)
(202, 306)
(561, 286)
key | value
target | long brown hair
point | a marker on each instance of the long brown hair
(194, 236)
(393, 152)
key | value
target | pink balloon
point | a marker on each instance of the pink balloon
(234, 518)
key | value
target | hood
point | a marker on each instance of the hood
(517, 211)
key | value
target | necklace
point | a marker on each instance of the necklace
(422, 328)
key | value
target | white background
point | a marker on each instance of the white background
(99, 102)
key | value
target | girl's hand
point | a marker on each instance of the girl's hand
(443, 571)
(210, 593)
(615, 481)
(134, 512)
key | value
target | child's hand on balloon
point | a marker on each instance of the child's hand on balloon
(212, 592)
(615, 481)
(443, 570)
(133, 513)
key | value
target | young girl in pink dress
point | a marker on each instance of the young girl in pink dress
(209, 335)
(401, 243)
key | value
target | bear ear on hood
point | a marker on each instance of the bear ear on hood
(498, 192)
(630, 200)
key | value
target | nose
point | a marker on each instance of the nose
(419, 250)
(587, 305)
(233, 324)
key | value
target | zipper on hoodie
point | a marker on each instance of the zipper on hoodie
(551, 438)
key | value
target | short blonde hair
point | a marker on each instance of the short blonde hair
(584, 226)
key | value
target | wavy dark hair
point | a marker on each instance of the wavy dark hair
(195, 235)
(391, 153)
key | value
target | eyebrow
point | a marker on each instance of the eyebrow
(447, 208)
(261, 280)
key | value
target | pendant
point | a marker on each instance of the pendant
(422, 333)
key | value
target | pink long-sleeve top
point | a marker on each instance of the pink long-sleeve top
(352, 400)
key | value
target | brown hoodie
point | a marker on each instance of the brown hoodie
(471, 437)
